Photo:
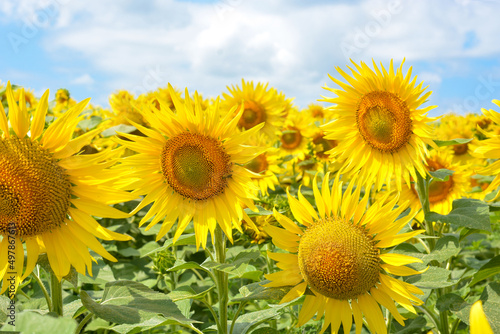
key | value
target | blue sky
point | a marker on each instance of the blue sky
(96, 47)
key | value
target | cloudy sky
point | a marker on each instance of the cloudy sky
(96, 47)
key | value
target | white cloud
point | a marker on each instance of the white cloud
(84, 79)
(206, 46)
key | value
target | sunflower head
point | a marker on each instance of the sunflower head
(191, 164)
(338, 259)
(48, 191)
(379, 130)
(338, 252)
(257, 104)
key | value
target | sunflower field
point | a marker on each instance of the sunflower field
(171, 212)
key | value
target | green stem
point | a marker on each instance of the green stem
(82, 323)
(268, 260)
(240, 308)
(210, 308)
(56, 292)
(389, 320)
(423, 195)
(221, 279)
(430, 314)
(454, 327)
(44, 290)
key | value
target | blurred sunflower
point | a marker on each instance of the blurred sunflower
(160, 96)
(295, 135)
(441, 193)
(340, 256)
(265, 164)
(453, 126)
(124, 110)
(191, 164)
(29, 97)
(379, 129)
(63, 102)
(490, 149)
(48, 194)
(260, 104)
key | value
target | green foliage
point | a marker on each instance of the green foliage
(466, 212)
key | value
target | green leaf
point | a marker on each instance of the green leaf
(457, 141)
(89, 124)
(446, 247)
(441, 174)
(466, 212)
(31, 322)
(4, 304)
(491, 307)
(236, 266)
(112, 131)
(143, 326)
(450, 302)
(180, 265)
(255, 291)
(262, 212)
(489, 269)
(433, 278)
(129, 302)
(188, 292)
(101, 274)
(128, 252)
(249, 320)
(412, 326)
(185, 239)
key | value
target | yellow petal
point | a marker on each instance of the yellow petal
(38, 122)
(294, 293)
(478, 320)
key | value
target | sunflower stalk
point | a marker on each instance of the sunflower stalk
(221, 279)
(56, 295)
(42, 287)
(423, 194)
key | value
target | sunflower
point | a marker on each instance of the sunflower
(125, 112)
(265, 164)
(379, 129)
(441, 193)
(340, 256)
(490, 149)
(48, 194)
(453, 126)
(295, 134)
(63, 100)
(191, 164)
(161, 94)
(260, 104)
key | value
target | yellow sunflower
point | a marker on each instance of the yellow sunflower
(441, 193)
(29, 97)
(63, 101)
(124, 109)
(161, 94)
(295, 134)
(48, 194)
(453, 126)
(379, 129)
(340, 256)
(490, 149)
(260, 104)
(191, 164)
(265, 164)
